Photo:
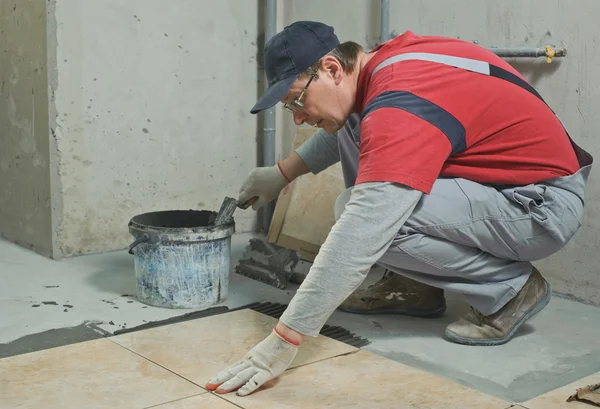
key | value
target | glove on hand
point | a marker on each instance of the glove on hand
(267, 360)
(264, 183)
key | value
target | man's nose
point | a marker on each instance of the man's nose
(299, 117)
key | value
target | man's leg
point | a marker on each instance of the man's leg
(476, 240)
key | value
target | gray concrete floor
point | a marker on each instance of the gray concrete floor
(47, 303)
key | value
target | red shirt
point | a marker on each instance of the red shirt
(432, 120)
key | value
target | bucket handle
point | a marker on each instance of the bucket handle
(143, 238)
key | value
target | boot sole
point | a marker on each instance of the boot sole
(408, 311)
(540, 305)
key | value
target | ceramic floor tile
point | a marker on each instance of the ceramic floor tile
(199, 349)
(94, 374)
(205, 401)
(364, 380)
(557, 399)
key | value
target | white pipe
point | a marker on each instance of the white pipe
(269, 114)
(384, 27)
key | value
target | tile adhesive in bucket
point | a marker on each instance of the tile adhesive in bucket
(181, 258)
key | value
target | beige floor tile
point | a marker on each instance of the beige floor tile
(205, 401)
(94, 374)
(364, 380)
(557, 399)
(199, 349)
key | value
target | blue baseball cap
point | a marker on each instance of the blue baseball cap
(291, 52)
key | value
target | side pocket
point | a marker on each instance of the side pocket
(554, 223)
(532, 198)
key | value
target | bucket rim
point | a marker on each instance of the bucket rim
(136, 224)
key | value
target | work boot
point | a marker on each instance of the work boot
(395, 294)
(498, 328)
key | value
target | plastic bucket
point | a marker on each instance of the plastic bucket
(181, 260)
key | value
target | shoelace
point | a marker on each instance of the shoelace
(386, 275)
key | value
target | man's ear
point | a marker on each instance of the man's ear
(333, 68)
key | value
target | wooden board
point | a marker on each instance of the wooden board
(304, 213)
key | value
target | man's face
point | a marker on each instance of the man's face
(326, 103)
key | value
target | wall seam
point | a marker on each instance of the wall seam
(56, 201)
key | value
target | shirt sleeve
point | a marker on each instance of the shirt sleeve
(402, 147)
(363, 233)
(320, 151)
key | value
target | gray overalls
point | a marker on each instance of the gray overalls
(474, 239)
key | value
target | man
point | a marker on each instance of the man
(458, 176)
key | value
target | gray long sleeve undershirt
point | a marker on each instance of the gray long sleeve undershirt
(372, 218)
(320, 151)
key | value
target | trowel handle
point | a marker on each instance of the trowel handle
(248, 203)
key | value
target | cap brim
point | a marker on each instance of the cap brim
(274, 94)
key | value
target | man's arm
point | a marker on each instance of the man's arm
(315, 155)
(320, 151)
(372, 218)
(366, 228)
(264, 183)
(293, 166)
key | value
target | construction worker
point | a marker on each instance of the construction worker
(458, 176)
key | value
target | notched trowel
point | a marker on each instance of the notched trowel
(265, 262)
(270, 264)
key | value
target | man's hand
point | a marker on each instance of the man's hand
(263, 183)
(267, 360)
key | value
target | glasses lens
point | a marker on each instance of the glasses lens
(294, 106)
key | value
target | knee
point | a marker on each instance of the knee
(340, 203)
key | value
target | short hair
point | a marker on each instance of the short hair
(346, 53)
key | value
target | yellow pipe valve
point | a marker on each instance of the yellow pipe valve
(549, 53)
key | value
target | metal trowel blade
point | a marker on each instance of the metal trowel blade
(226, 211)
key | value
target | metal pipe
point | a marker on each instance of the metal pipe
(547, 52)
(384, 27)
(269, 114)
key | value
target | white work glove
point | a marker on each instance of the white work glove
(264, 184)
(267, 360)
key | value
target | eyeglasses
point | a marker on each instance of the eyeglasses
(297, 104)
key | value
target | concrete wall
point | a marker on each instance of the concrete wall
(149, 106)
(570, 85)
(152, 102)
(24, 136)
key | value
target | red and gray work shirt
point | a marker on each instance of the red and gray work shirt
(423, 120)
